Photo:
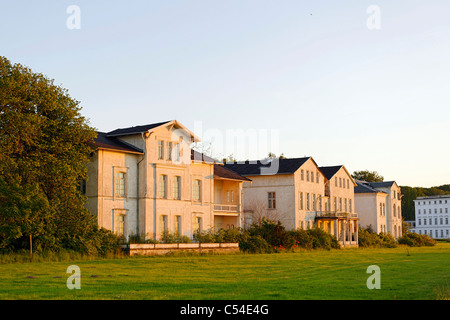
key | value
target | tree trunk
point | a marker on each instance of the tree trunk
(31, 245)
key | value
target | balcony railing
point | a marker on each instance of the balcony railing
(335, 214)
(226, 208)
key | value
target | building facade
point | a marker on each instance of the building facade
(379, 206)
(146, 180)
(432, 216)
(300, 195)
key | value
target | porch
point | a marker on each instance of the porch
(343, 225)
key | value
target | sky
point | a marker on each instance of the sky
(358, 83)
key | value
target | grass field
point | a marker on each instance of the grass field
(406, 273)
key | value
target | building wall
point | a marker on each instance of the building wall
(433, 216)
(367, 205)
(309, 183)
(342, 189)
(147, 211)
(393, 210)
(103, 202)
(256, 198)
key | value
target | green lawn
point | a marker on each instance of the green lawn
(336, 274)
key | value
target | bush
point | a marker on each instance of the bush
(368, 238)
(323, 240)
(277, 238)
(255, 244)
(168, 237)
(416, 240)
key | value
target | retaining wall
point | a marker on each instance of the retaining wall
(165, 248)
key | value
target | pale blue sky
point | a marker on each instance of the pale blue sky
(310, 70)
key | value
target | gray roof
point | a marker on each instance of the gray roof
(383, 184)
(135, 130)
(329, 172)
(102, 141)
(267, 167)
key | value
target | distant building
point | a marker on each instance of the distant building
(432, 216)
(379, 206)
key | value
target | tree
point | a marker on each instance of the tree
(369, 176)
(45, 145)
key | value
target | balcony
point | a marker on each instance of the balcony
(335, 214)
(226, 208)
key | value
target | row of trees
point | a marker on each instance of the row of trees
(44, 148)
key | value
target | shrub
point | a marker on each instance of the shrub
(231, 235)
(255, 244)
(175, 237)
(302, 238)
(368, 238)
(322, 239)
(416, 240)
(204, 237)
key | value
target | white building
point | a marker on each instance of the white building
(379, 206)
(432, 216)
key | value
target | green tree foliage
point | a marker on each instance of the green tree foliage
(369, 176)
(44, 149)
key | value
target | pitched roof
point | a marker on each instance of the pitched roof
(221, 172)
(383, 184)
(200, 157)
(110, 143)
(364, 188)
(270, 167)
(329, 172)
(135, 130)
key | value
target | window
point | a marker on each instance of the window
(420, 222)
(177, 226)
(300, 200)
(340, 204)
(177, 152)
(160, 150)
(340, 182)
(336, 182)
(177, 187)
(196, 190)
(163, 186)
(307, 201)
(169, 150)
(271, 200)
(119, 184)
(350, 205)
(345, 205)
(317, 177)
(348, 184)
(335, 203)
(307, 175)
(314, 202)
(302, 175)
(163, 225)
(312, 176)
(446, 220)
(120, 225)
(197, 227)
